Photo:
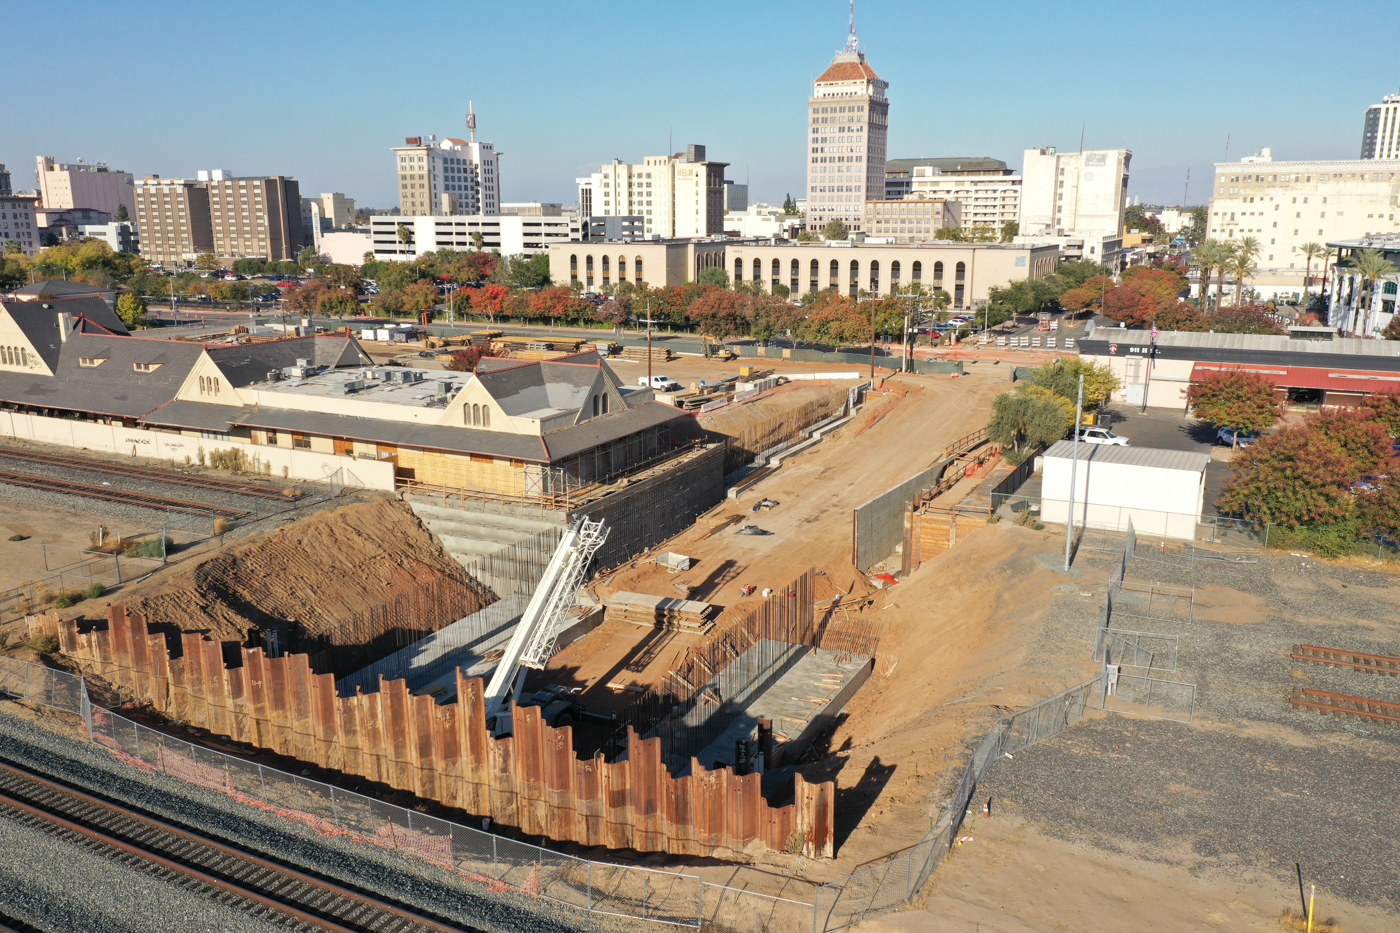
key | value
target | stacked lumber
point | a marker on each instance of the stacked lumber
(639, 354)
(685, 615)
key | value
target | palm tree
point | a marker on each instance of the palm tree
(1208, 257)
(1310, 251)
(1227, 256)
(1370, 266)
(1241, 267)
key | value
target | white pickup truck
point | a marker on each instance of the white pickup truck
(660, 383)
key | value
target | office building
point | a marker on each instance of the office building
(122, 237)
(1380, 133)
(614, 227)
(5, 189)
(1287, 204)
(911, 219)
(84, 184)
(761, 220)
(18, 223)
(254, 218)
(848, 120)
(987, 197)
(680, 195)
(404, 239)
(736, 196)
(58, 225)
(448, 176)
(533, 208)
(1074, 192)
(172, 215)
(654, 262)
(1354, 306)
(966, 271)
(899, 173)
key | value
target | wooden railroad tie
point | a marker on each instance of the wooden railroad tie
(1341, 704)
(1355, 660)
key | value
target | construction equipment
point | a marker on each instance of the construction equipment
(720, 351)
(532, 642)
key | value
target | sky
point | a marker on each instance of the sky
(322, 91)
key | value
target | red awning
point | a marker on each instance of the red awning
(1310, 377)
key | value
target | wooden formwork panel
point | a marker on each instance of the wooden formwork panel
(530, 780)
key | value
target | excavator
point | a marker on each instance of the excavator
(720, 351)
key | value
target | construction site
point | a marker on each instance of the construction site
(755, 677)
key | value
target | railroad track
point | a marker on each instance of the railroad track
(1355, 660)
(226, 874)
(1350, 707)
(111, 494)
(163, 476)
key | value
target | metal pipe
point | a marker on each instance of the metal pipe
(1073, 472)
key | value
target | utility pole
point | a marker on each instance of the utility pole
(872, 342)
(1073, 472)
(649, 343)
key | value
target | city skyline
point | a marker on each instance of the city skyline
(1173, 97)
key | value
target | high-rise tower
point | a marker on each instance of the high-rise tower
(1380, 135)
(848, 122)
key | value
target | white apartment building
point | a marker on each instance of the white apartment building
(985, 199)
(17, 223)
(85, 184)
(1173, 219)
(848, 121)
(1380, 133)
(1286, 204)
(448, 176)
(509, 234)
(1084, 193)
(679, 196)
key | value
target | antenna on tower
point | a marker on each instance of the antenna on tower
(852, 43)
(471, 122)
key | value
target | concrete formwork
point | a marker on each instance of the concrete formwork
(530, 781)
(878, 525)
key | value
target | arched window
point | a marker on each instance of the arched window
(605, 403)
(589, 264)
(815, 273)
(918, 271)
(961, 271)
(937, 274)
(894, 273)
(595, 406)
(796, 275)
(573, 265)
(605, 265)
(738, 270)
(637, 269)
(486, 416)
(1388, 288)
(875, 275)
(855, 278)
(758, 270)
(835, 281)
(476, 415)
(621, 268)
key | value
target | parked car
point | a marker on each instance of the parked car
(660, 383)
(1231, 437)
(1091, 434)
(1369, 483)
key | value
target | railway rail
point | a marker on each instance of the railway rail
(163, 476)
(227, 874)
(1350, 707)
(111, 494)
(1354, 660)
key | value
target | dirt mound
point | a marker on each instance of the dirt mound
(342, 585)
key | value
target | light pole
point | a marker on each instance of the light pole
(872, 342)
(1073, 471)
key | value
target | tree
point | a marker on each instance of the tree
(306, 297)
(836, 230)
(1291, 477)
(1025, 296)
(1009, 230)
(477, 240)
(1236, 399)
(1062, 378)
(420, 296)
(130, 308)
(1182, 316)
(489, 300)
(466, 359)
(807, 236)
(121, 216)
(1074, 274)
(1224, 256)
(713, 276)
(1022, 421)
(1088, 295)
(1310, 252)
(1386, 406)
(530, 273)
(1359, 438)
(1244, 319)
(719, 312)
(1371, 266)
(308, 256)
(1242, 264)
(207, 261)
(949, 233)
(1197, 233)
(789, 206)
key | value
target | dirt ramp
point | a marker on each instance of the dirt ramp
(345, 586)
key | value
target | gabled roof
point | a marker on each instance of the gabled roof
(59, 288)
(1188, 460)
(538, 388)
(114, 387)
(848, 68)
(244, 364)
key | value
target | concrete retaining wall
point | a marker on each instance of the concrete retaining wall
(878, 525)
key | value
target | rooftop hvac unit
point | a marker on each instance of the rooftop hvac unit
(298, 372)
(353, 386)
(404, 376)
(273, 376)
(303, 363)
(444, 387)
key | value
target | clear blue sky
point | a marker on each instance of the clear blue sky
(321, 91)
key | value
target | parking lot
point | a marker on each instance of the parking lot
(1168, 429)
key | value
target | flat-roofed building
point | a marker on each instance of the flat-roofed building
(18, 223)
(510, 234)
(911, 219)
(172, 216)
(988, 199)
(966, 271)
(1380, 132)
(449, 176)
(1285, 205)
(657, 263)
(1356, 306)
(899, 173)
(680, 195)
(254, 218)
(84, 184)
(1082, 193)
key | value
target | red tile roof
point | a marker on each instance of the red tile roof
(848, 71)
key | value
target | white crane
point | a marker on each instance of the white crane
(532, 642)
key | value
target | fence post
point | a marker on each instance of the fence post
(589, 895)
(87, 709)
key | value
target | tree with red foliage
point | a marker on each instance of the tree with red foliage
(1143, 294)
(719, 312)
(1357, 436)
(468, 268)
(558, 303)
(1293, 477)
(1244, 319)
(1386, 406)
(1182, 316)
(422, 295)
(1126, 305)
(1088, 295)
(305, 297)
(488, 300)
(1236, 399)
(466, 359)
